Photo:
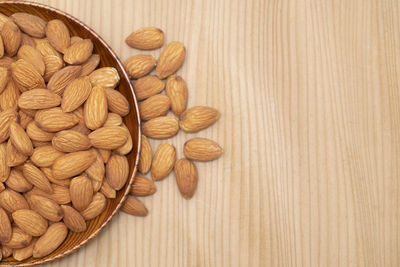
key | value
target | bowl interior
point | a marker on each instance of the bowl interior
(108, 58)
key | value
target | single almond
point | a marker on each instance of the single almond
(26, 75)
(145, 156)
(171, 59)
(160, 127)
(33, 56)
(20, 139)
(107, 190)
(95, 109)
(140, 65)
(49, 174)
(146, 38)
(73, 219)
(117, 102)
(46, 207)
(117, 171)
(38, 99)
(105, 154)
(106, 77)
(96, 171)
(30, 222)
(81, 192)
(14, 157)
(96, 207)
(31, 24)
(155, 106)
(6, 118)
(58, 35)
(177, 91)
(76, 93)
(163, 161)
(27, 40)
(51, 240)
(147, 86)
(70, 141)
(52, 65)
(142, 187)
(19, 239)
(4, 168)
(62, 78)
(197, 118)
(113, 119)
(5, 227)
(36, 177)
(54, 119)
(4, 76)
(45, 156)
(24, 119)
(186, 177)
(134, 207)
(17, 182)
(90, 65)
(60, 194)
(12, 201)
(9, 97)
(202, 149)
(127, 147)
(36, 133)
(46, 49)
(72, 164)
(11, 36)
(21, 254)
(79, 52)
(108, 137)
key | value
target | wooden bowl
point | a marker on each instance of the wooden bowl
(132, 121)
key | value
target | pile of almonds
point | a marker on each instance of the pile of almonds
(62, 138)
(154, 107)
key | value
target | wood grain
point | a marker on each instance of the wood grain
(309, 95)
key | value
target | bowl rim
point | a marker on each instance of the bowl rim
(136, 107)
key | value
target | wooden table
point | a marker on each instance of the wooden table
(310, 102)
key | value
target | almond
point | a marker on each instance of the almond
(117, 171)
(76, 93)
(9, 97)
(106, 77)
(5, 227)
(36, 133)
(117, 102)
(6, 61)
(107, 190)
(90, 65)
(108, 137)
(197, 118)
(51, 240)
(105, 154)
(21, 254)
(52, 65)
(33, 56)
(96, 171)
(96, 185)
(27, 40)
(72, 164)
(161, 127)
(147, 86)
(46, 49)
(3, 78)
(6, 118)
(145, 156)
(20, 139)
(113, 119)
(177, 91)
(95, 109)
(73, 219)
(29, 112)
(3, 20)
(19, 239)
(70, 141)
(24, 119)
(48, 208)
(38, 99)
(140, 65)
(81, 128)
(14, 157)
(6, 251)
(49, 174)
(171, 59)
(96, 207)
(58, 35)
(31, 24)
(155, 106)
(54, 119)
(79, 52)
(163, 161)
(4, 169)
(146, 38)
(30, 222)
(60, 194)
(134, 207)
(81, 192)
(62, 78)
(36, 177)
(26, 75)
(11, 36)
(17, 182)
(127, 147)
(45, 156)
(202, 149)
(186, 177)
(142, 187)
(12, 201)
(75, 39)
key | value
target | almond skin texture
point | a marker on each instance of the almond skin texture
(37, 134)
(186, 177)
(170, 59)
(161, 127)
(9, 97)
(75, 39)
(2, 46)
(107, 190)
(5, 227)
(70, 141)
(14, 157)
(38, 99)
(155, 106)
(76, 93)
(90, 65)
(3, 78)
(145, 156)
(177, 91)
(106, 77)
(45, 156)
(73, 219)
(36, 177)
(6, 118)
(58, 35)
(140, 65)
(96, 109)
(96, 207)
(30, 24)
(202, 149)
(79, 52)
(81, 192)
(96, 171)
(72, 164)
(113, 119)
(52, 65)
(163, 161)
(62, 78)
(45, 48)
(49, 174)
(197, 118)
(108, 137)
(17, 182)
(117, 171)
(20, 139)
(142, 187)
(11, 36)
(6, 251)
(19, 239)
(117, 102)
(26, 75)
(134, 207)
(30, 222)
(51, 240)
(27, 40)
(54, 120)
(127, 147)
(6, 62)
(48, 208)
(24, 119)
(147, 86)
(33, 56)
(146, 38)
(4, 168)
(21, 254)
(60, 194)
(12, 201)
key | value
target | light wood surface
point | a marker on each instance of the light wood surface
(309, 95)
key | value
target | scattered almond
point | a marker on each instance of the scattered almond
(145, 156)
(186, 177)
(155, 106)
(171, 59)
(134, 207)
(163, 161)
(146, 38)
(140, 65)
(177, 92)
(160, 127)
(142, 187)
(197, 118)
(148, 86)
(202, 149)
